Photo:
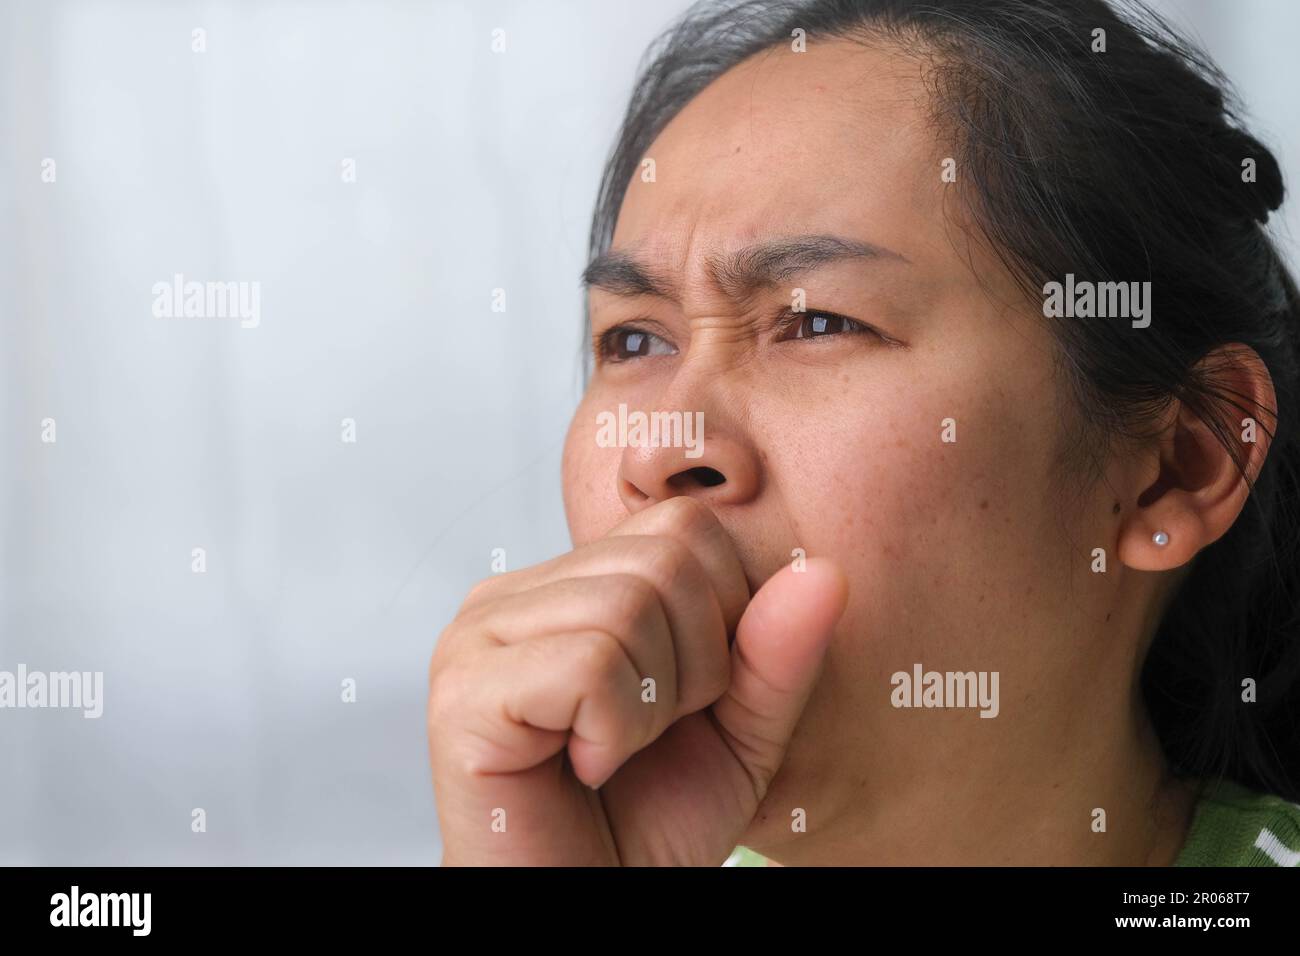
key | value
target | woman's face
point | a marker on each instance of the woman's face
(959, 554)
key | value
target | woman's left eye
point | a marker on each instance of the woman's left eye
(810, 325)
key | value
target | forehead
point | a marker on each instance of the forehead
(837, 139)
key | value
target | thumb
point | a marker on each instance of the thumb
(775, 661)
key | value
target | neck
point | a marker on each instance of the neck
(1097, 794)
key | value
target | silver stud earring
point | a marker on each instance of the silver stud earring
(1160, 538)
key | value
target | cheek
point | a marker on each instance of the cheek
(937, 536)
(869, 472)
(589, 475)
(939, 540)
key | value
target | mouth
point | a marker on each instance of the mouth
(756, 577)
(754, 563)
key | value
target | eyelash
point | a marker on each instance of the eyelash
(791, 320)
(788, 321)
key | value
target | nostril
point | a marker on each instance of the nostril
(704, 477)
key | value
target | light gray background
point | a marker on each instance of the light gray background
(326, 560)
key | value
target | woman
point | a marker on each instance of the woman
(988, 554)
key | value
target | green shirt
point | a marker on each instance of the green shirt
(1232, 826)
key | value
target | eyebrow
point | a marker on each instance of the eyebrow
(761, 265)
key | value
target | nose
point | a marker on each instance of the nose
(725, 472)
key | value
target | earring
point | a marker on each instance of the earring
(1160, 538)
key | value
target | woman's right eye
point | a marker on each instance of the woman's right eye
(624, 342)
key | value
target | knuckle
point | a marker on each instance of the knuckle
(685, 515)
(448, 647)
(666, 560)
(630, 597)
(600, 658)
(480, 592)
(444, 697)
(466, 761)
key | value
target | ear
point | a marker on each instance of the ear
(1185, 483)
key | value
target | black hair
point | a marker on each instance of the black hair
(1130, 162)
